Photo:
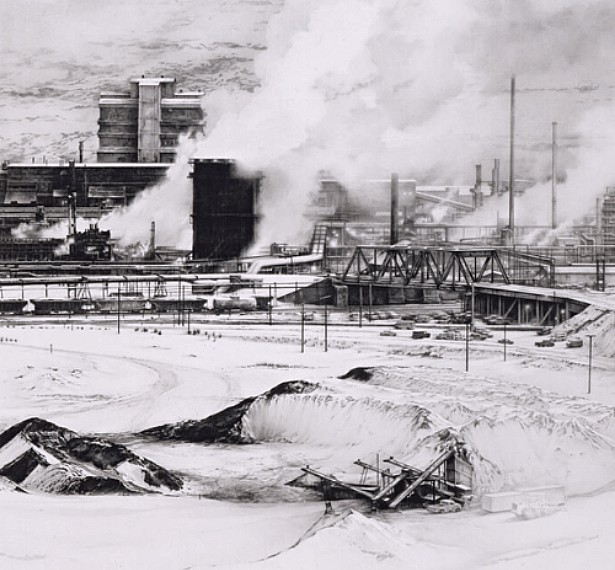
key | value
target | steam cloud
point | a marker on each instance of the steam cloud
(361, 88)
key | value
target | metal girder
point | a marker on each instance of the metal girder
(446, 267)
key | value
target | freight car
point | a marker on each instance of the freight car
(61, 306)
(12, 306)
(169, 305)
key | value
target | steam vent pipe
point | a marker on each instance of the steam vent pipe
(478, 202)
(394, 208)
(553, 175)
(496, 177)
(152, 238)
(511, 170)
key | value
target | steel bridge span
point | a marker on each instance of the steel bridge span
(513, 285)
(446, 267)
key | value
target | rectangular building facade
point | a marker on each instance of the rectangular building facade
(30, 191)
(144, 123)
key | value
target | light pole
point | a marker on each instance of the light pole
(302, 327)
(467, 345)
(505, 342)
(325, 299)
(360, 306)
(119, 296)
(472, 303)
(589, 369)
(326, 324)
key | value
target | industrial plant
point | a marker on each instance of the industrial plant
(305, 285)
(408, 243)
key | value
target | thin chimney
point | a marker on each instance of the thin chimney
(511, 170)
(394, 208)
(553, 175)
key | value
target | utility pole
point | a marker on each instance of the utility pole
(270, 307)
(119, 297)
(302, 327)
(589, 370)
(326, 324)
(467, 346)
(511, 170)
(360, 306)
(505, 342)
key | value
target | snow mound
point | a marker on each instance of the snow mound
(352, 540)
(39, 455)
(512, 435)
(225, 426)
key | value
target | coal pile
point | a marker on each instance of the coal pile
(225, 426)
(38, 455)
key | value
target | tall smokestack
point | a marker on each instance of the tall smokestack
(72, 214)
(394, 208)
(495, 177)
(511, 172)
(80, 152)
(478, 197)
(599, 237)
(152, 241)
(553, 174)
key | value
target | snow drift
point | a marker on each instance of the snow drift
(39, 455)
(513, 435)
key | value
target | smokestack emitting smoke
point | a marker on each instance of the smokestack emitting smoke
(355, 87)
(511, 166)
(478, 187)
(553, 175)
(394, 208)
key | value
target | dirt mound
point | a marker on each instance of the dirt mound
(225, 426)
(361, 374)
(40, 455)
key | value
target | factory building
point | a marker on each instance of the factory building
(143, 124)
(40, 192)
(606, 225)
(224, 209)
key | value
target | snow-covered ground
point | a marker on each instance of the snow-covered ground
(529, 421)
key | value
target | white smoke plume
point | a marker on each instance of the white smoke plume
(168, 204)
(361, 88)
(365, 87)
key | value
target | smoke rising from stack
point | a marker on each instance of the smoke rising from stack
(362, 88)
(168, 205)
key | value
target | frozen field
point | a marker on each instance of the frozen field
(528, 422)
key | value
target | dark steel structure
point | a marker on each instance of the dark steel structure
(224, 209)
(445, 267)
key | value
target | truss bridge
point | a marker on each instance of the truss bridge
(446, 267)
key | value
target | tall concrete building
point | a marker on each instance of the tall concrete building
(143, 124)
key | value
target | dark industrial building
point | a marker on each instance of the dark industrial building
(224, 209)
(138, 133)
(40, 192)
(144, 123)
